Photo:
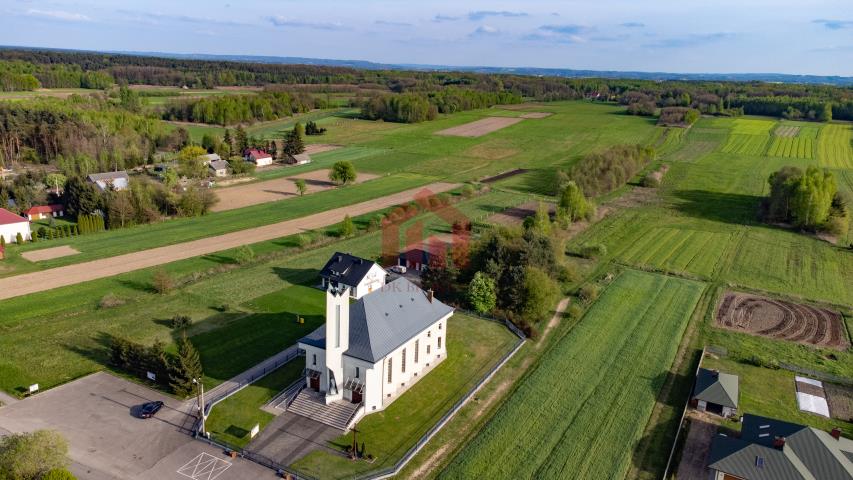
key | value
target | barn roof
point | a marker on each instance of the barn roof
(716, 387)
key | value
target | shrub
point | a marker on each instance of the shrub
(651, 180)
(19, 238)
(593, 251)
(110, 300)
(347, 227)
(244, 255)
(162, 282)
(589, 292)
(468, 191)
(303, 240)
(759, 360)
(59, 474)
(575, 311)
(181, 321)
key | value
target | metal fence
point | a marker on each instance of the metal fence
(681, 421)
(827, 377)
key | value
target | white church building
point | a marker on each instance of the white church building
(372, 350)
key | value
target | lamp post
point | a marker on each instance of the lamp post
(200, 400)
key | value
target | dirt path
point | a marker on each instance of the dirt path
(249, 194)
(83, 272)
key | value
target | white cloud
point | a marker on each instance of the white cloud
(59, 15)
(282, 21)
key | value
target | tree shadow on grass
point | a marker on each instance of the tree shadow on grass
(308, 277)
(138, 285)
(721, 207)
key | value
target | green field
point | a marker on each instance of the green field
(595, 388)
(746, 144)
(474, 345)
(834, 149)
(792, 147)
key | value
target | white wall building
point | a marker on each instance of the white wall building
(360, 275)
(11, 225)
(259, 157)
(373, 350)
(116, 180)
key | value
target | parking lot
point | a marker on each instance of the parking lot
(96, 414)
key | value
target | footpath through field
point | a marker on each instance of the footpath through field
(83, 272)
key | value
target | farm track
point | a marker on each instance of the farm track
(83, 272)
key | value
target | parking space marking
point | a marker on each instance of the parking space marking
(204, 467)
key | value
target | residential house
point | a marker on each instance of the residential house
(360, 275)
(209, 158)
(218, 168)
(716, 392)
(418, 255)
(42, 212)
(259, 157)
(371, 351)
(11, 225)
(770, 449)
(105, 181)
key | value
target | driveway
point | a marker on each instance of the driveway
(694, 457)
(106, 267)
(290, 437)
(96, 415)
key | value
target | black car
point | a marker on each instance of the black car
(150, 409)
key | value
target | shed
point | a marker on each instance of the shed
(716, 392)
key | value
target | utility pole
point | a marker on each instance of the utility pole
(200, 400)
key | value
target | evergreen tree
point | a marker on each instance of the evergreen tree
(293, 143)
(185, 368)
(241, 140)
(347, 227)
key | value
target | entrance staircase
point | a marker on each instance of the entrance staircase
(310, 404)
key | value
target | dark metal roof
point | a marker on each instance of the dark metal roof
(716, 387)
(317, 338)
(808, 453)
(346, 269)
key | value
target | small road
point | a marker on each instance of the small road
(41, 281)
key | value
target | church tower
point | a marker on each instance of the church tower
(337, 339)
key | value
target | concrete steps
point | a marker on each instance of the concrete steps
(311, 405)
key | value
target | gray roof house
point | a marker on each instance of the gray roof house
(209, 158)
(361, 275)
(716, 392)
(116, 180)
(219, 168)
(770, 449)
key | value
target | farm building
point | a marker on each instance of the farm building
(114, 180)
(360, 275)
(417, 255)
(218, 168)
(45, 211)
(770, 449)
(716, 392)
(209, 158)
(11, 225)
(259, 157)
(370, 352)
(300, 159)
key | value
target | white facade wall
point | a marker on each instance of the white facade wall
(10, 231)
(337, 342)
(372, 281)
(263, 161)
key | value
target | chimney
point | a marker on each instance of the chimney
(429, 295)
(340, 258)
(779, 443)
(836, 433)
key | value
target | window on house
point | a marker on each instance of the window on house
(356, 372)
(439, 326)
(439, 343)
(403, 365)
(314, 359)
(417, 348)
(428, 348)
(429, 333)
(337, 326)
(390, 369)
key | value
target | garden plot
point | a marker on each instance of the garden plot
(272, 190)
(49, 253)
(786, 131)
(515, 216)
(782, 320)
(478, 128)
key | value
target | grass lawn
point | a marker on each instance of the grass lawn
(771, 393)
(474, 345)
(595, 388)
(232, 419)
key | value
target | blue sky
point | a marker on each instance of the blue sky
(785, 36)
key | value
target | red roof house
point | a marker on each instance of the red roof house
(45, 211)
(11, 225)
(258, 157)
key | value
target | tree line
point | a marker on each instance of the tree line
(808, 200)
(601, 172)
(233, 109)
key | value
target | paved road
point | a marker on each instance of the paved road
(83, 272)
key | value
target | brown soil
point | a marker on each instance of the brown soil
(49, 253)
(481, 127)
(83, 272)
(810, 389)
(535, 115)
(781, 320)
(840, 399)
(515, 216)
(277, 189)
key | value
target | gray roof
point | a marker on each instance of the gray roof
(808, 453)
(211, 157)
(716, 387)
(219, 165)
(346, 269)
(385, 319)
(108, 176)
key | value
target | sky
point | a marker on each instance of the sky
(685, 36)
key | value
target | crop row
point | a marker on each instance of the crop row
(582, 411)
(833, 146)
(791, 147)
(746, 144)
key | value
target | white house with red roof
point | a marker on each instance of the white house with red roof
(258, 157)
(11, 225)
(45, 211)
